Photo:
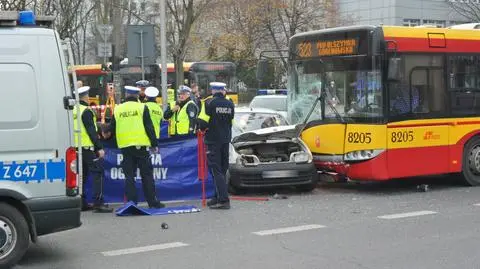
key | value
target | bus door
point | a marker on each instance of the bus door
(419, 144)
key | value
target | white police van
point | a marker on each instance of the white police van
(38, 184)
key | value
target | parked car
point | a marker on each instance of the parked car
(275, 101)
(266, 152)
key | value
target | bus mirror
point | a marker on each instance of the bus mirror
(262, 69)
(394, 69)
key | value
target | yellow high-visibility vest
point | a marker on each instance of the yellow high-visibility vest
(156, 114)
(130, 129)
(86, 141)
(180, 122)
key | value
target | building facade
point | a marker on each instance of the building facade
(401, 12)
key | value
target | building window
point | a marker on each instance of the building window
(436, 23)
(411, 22)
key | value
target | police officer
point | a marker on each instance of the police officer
(92, 152)
(135, 134)
(220, 113)
(196, 97)
(202, 115)
(156, 113)
(182, 113)
(142, 85)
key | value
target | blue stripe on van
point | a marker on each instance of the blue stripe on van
(26, 171)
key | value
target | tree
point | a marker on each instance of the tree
(13, 5)
(183, 14)
(468, 9)
(285, 18)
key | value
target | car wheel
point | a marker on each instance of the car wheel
(232, 189)
(471, 162)
(14, 235)
(307, 188)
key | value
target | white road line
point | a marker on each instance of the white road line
(476, 204)
(289, 229)
(143, 249)
(407, 215)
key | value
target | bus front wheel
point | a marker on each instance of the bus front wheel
(471, 162)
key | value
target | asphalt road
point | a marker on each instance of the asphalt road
(337, 226)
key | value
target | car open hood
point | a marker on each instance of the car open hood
(272, 133)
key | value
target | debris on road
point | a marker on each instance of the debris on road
(279, 196)
(423, 188)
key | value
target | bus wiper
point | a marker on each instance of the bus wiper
(337, 115)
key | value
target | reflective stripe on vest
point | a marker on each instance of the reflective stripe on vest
(156, 114)
(86, 141)
(130, 130)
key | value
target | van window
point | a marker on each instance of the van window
(18, 95)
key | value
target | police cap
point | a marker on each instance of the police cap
(219, 86)
(184, 89)
(83, 90)
(151, 92)
(142, 83)
(131, 89)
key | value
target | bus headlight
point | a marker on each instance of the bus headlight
(362, 155)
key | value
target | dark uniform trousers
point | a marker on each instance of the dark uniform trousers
(217, 157)
(134, 158)
(93, 167)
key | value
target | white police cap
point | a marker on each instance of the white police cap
(217, 85)
(142, 83)
(131, 89)
(83, 90)
(151, 92)
(184, 89)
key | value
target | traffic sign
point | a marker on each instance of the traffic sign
(105, 31)
(104, 49)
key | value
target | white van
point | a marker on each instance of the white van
(38, 184)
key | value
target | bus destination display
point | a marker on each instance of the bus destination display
(307, 49)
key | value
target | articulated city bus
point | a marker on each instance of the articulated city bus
(96, 78)
(202, 73)
(388, 102)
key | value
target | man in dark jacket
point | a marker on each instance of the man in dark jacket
(219, 114)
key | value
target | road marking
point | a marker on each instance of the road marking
(476, 204)
(407, 215)
(289, 229)
(143, 249)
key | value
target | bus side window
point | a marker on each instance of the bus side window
(464, 84)
(421, 89)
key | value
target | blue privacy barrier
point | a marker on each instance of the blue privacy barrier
(130, 209)
(175, 170)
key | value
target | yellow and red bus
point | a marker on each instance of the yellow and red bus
(202, 73)
(94, 76)
(388, 102)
